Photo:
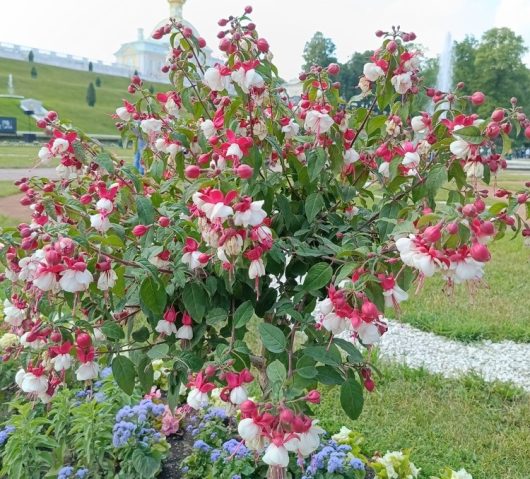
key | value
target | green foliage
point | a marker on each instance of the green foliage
(33, 72)
(320, 50)
(91, 95)
(31, 56)
(98, 82)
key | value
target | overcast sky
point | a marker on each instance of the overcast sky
(96, 28)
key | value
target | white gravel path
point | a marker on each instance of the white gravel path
(505, 361)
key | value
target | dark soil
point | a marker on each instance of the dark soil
(181, 447)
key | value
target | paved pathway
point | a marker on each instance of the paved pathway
(504, 361)
(14, 174)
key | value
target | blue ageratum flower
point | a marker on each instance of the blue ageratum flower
(81, 473)
(5, 433)
(201, 445)
(65, 472)
(357, 464)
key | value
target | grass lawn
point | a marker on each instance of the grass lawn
(482, 427)
(25, 156)
(498, 310)
(64, 91)
(7, 188)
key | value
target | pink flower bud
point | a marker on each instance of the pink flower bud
(487, 228)
(140, 230)
(202, 42)
(263, 45)
(527, 132)
(497, 115)
(432, 234)
(286, 416)
(192, 171)
(479, 204)
(333, 69)
(369, 311)
(369, 384)
(391, 46)
(313, 397)
(85, 199)
(480, 252)
(164, 221)
(478, 98)
(210, 370)
(244, 171)
(469, 210)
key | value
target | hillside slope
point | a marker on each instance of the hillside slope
(64, 91)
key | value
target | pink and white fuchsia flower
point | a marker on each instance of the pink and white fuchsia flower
(14, 311)
(372, 71)
(198, 394)
(249, 213)
(76, 277)
(61, 358)
(217, 78)
(391, 291)
(185, 331)
(246, 76)
(317, 122)
(166, 326)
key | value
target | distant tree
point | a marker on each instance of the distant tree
(31, 56)
(494, 66)
(98, 82)
(33, 72)
(91, 95)
(151, 89)
(90, 66)
(319, 51)
(350, 72)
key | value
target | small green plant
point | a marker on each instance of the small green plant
(34, 72)
(98, 82)
(91, 95)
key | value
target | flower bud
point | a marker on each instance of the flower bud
(202, 42)
(164, 221)
(479, 205)
(478, 98)
(333, 69)
(286, 416)
(192, 171)
(480, 252)
(140, 230)
(497, 115)
(83, 340)
(313, 397)
(244, 171)
(432, 234)
(369, 384)
(210, 370)
(391, 46)
(369, 311)
(527, 132)
(469, 210)
(263, 45)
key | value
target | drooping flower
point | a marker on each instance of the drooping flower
(372, 71)
(246, 76)
(249, 213)
(402, 83)
(76, 277)
(217, 78)
(317, 122)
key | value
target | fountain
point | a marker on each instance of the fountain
(10, 86)
(444, 80)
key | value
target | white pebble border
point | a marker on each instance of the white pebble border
(504, 361)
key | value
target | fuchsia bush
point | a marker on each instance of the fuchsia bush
(266, 239)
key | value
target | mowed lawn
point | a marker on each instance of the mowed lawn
(464, 422)
(25, 156)
(64, 91)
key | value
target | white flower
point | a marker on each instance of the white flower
(350, 156)
(411, 159)
(394, 296)
(247, 79)
(384, 169)
(256, 269)
(196, 399)
(100, 222)
(291, 129)
(45, 155)
(307, 442)
(185, 332)
(87, 371)
(208, 128)
(74, 281)
(104, 204)
(474, 169)
(166, 327)
(317, 122)
(216, 210)
(460, 149)
(60, 145)
(260, 130)
(343, 435)
(248, 430)
(276, 456)
(466, 270)
(29, 264)
(45, 281)
(172, 108)
(335, 324)
(107, 280)
(368, 333)
(61, 362)
(123, 114)
(214, 80)
(66, 172)
(191, 259)
(253, 216)
(238, 395)
(461, 474)
(402, 82)
(364, 85)
(372, 71)
(34, 384)
(151, 125)
(418, 124)
(19, 377)
(234, 150)
(36, 344)
(13, 315)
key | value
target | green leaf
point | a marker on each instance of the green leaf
(124, 373)
(145, 465)
(105, 161)
(351, 398)
(471, 134)
(330, 356)
(195, 300)
(315, 164)
(276, 372)
(158, 351)
(141, 335)
(216, 316)
(112, 330)
(243, 314)
(146, 212)
(153, 296)
(353, 353)
(305, 367)
(435, 180)
(146, 373)
(272, 338)
(313, 205)
(318, 276)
